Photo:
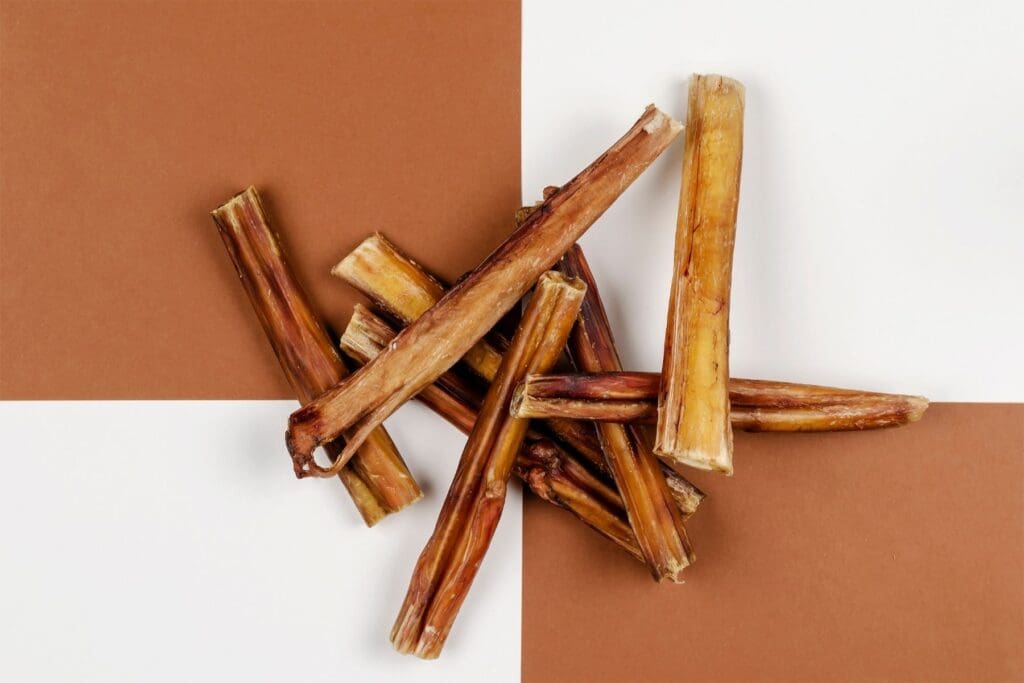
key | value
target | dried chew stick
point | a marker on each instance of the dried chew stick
(693, 407)
(552, 472)
(755, 405)
(442, 335)
(469, 517)
(376, 478)
(637, 472)
(396, 283)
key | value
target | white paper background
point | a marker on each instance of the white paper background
(880, 241)
(169, 541)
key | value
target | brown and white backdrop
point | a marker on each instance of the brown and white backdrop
(151, 526)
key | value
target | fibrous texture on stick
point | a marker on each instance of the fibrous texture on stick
(471, 511)
(693, 408)
(442, 335)
(554, 473)
(651, 511)
(391, 279)
(376, 478)
(755, 405)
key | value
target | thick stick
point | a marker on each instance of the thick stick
(377, 478)
(441, 336)
(693, 408)
(553, 473)
(471, 511)
(652, 513)
(756, 405)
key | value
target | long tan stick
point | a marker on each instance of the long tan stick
(389, 278)
(756, 405)
(377, 478)
(693, 409)
(441, 336)
(650, 509)
(470, 515)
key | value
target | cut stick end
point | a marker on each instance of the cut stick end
(345, 268)
(720, 462)
(515, 406)
(658, 120)
(245, 196)
(917, 406)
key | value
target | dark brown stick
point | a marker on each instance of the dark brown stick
(471, 511)
(652, 513)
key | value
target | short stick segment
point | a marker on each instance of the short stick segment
(442, 335)
(693, 409)
(377, 478)
(471, 511)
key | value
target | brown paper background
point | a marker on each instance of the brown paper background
(123, 124)
(895, 555)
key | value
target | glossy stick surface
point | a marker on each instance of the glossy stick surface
(693, 407)
(469, 517)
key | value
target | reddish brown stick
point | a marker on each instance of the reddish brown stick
(652, 513)
(757, 405)
(470, 515)
(440, 337)
(377, 478)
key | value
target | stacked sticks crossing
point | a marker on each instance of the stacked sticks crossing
(573, 430)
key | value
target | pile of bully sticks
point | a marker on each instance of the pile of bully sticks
(578, 439)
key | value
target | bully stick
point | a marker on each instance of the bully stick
(377, 478)
(756, 405)
(469, 517)
(637, 472)
(552, 472)
(442, 335)
(388, 277)
(693, 406)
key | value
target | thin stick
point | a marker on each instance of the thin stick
(470, 515)
(377, 479)
(650, 509)
(441, 336)
(756, 405)
(391, 279)
(693, 409)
